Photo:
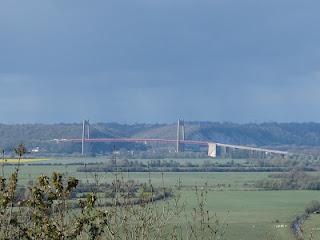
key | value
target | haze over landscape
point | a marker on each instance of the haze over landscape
(159, 119)
(154, 61)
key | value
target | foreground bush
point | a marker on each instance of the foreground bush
(47, 212)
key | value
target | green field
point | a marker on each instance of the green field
(250, 213)
(312, 227)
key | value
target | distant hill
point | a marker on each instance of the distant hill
(276, 135)
(265, 134)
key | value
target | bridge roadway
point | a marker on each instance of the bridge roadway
(167, 141)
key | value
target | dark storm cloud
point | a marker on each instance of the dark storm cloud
(158, 60)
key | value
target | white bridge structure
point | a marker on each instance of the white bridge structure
(180, 142)
(212, 149)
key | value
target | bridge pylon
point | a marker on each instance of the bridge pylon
(85, 134)
(180, 136)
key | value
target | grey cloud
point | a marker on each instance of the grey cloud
(157, 60)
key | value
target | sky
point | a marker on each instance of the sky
(154, 61)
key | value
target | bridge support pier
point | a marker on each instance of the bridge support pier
(212, 150)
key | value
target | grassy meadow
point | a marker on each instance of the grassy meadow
(250, 213)
(312, 227)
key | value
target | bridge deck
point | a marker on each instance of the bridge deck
(251, 148)
(167, 141)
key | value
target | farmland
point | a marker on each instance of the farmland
(248, 212)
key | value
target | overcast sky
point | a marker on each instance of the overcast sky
(158, 60)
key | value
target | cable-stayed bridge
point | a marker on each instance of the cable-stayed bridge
(170, 141)
(180, 142)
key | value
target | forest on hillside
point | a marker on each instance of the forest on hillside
(275, 135)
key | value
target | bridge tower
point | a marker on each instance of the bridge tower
(85, 134)
(180, 135)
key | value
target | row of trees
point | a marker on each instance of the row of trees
(295, 179)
